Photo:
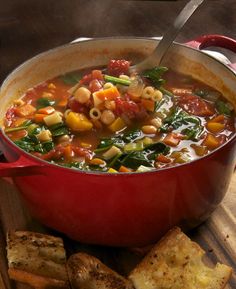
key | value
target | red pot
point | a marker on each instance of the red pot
(120, 209)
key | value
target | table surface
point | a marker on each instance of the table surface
(28, 27)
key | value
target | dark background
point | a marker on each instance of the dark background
(28, 27)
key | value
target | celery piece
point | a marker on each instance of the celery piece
(116, 80)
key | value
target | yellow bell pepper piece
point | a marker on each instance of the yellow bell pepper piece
(117, 125)
(215, 127)
(111, 170)
(211, 142)
(78, 121)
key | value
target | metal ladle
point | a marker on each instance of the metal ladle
(156, 57)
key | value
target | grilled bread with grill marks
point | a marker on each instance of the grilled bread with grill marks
(37, 259)
(176, 263)
(87, 272)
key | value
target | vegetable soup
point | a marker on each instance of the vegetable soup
(112, 121)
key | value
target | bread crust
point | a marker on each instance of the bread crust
(176, 262)
(86, 271)
(37, 259)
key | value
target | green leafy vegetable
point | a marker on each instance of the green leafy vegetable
(155, 149)
(155, 75)
(165, 91)
(223, 108)
(71, 78)
(131, 136)
(193, 132)
(116, 80)
(145, 157)
(21, 127)
(178, 118)
(119, 140)
(43, 102)
(59, 129)
(31, 143)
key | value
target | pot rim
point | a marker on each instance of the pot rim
(98, 173)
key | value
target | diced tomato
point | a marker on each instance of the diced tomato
(82, 152)
(95, 85)
(97, 74)
(195, 105)
(10, 113)
(76, 106)
(118, 67)
(173, 139)
(163, 159)
(127, 107)
(86, 79)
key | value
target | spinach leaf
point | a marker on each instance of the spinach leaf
(30, 143)
(135, 159)
(193, 132)
(24, 125)
(106, 143)
(155, 149)
(131, 136)
(145, 157)
(59, 129)
(155, 75)
(71, 78)
(25, 144)
(223, 108)
(118, 141)
(177, 118)
(43, 102)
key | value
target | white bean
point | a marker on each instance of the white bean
(82, 95)
(107, 117)
(149, 129)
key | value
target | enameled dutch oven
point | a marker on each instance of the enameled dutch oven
(120, 209)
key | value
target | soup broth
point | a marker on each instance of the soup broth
(112, 121)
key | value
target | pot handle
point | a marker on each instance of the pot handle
(21, 167)
(214, 40)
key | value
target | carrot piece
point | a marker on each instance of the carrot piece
(19, 121)
(172, 139)
(97, 162)
(46, 110)
(38, 117)
(211, 142)
(148, 104)
(25, 110)
(163, 159)
(109, 93)
(215, 127)
(124, 169)
(63, 102)
(68, 152)
(219, 118)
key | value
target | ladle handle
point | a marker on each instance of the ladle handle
(158, 54)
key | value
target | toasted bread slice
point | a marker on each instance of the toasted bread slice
(37, 259)
(87, 272)
(176, 263)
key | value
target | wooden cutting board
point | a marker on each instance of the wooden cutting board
(217, 236)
